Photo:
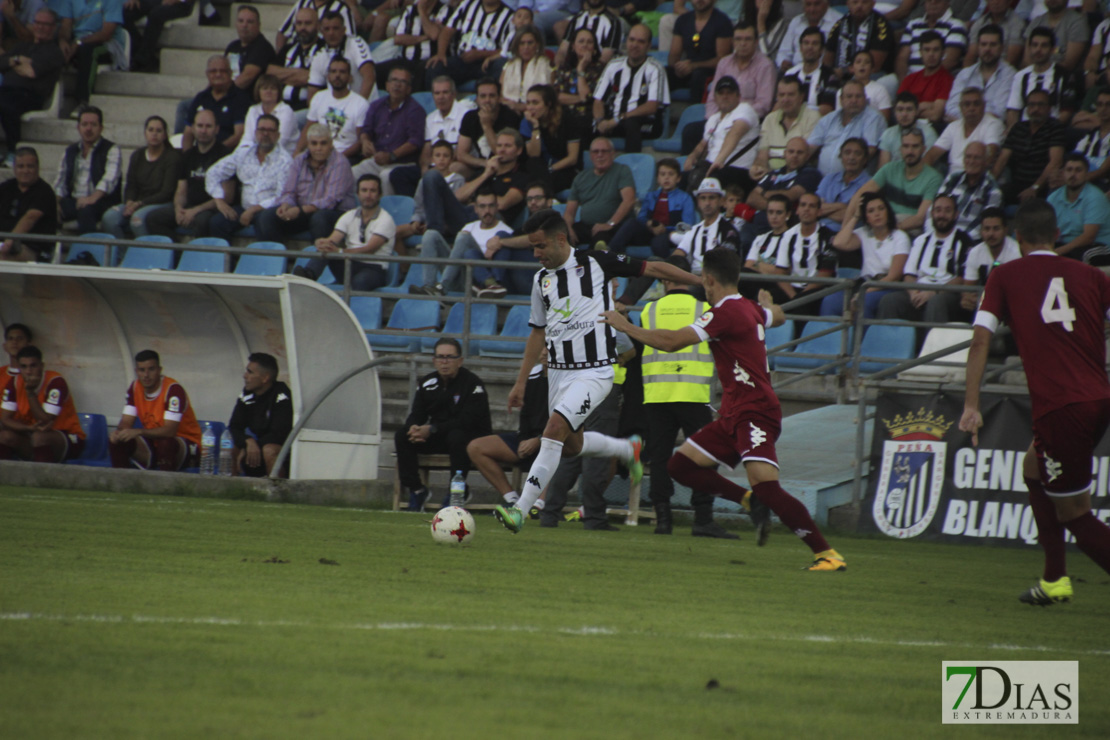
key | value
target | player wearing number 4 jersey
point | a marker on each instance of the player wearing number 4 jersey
(750, 417)
(568, 296)
(1056, 308)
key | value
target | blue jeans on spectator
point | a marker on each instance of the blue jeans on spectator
(89, 216)
(364, 275)
(223, 227)
(442, 209)
(319, 223)
(635, 233)
(517, 281)
(434, 246)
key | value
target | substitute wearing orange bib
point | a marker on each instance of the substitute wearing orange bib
(38, 419)
(167, 436)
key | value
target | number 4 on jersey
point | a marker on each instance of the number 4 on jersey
(1055, 307)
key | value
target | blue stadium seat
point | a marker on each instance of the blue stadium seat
(400, 207)
(516, 325)
(693, 112)
(898, 343)
(643, 171)
(193, 261)
(95, 453)
(413, 316)
(640, 253)
(483, 320)
(143, 258)
(368, 311)
(415, 276)
(257, 264)
(427, 102)
(826, 345)
(100, 252)
(778, 335)
(325, 277)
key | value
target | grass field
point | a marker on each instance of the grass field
(125, 616)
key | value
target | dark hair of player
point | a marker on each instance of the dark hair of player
(1036, 223)
(265, 361)
(29, 351)
(148, 354)
(549, 221)
(723, 264)
(18, 327)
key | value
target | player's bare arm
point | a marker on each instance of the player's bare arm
(532, 350)
(778, 316)
(666, 271)
(8, 421)
(668, 340)
(972, 420)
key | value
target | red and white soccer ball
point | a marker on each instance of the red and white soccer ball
(453, 525)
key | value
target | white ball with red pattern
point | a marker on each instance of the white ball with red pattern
(453, 525)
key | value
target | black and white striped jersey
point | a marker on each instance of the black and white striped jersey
(819, 87)
(951, 29)
(605, 25)
(805, 255)
(411, 25)
(624, 88)
(703, 237)
(296, 56)
(567, 301)
(477, 29)
(1053, 81)
(936, 259)
(332, 6)
(1095, 146)
(766, 247)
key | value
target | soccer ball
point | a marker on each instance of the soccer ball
(453, 525)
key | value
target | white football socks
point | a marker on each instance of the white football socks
(547, 461)
(511, 497)
(596, 444)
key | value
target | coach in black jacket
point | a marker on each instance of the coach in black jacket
(262, 419)
(450, 409)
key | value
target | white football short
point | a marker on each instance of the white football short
(574, 394)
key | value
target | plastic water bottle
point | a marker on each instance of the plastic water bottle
(208, 451)
(458, 488)
(227, 449)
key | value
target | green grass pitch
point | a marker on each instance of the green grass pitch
(126, 616)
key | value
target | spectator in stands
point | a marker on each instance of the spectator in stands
(931, 84)
(854, 120)
(791, 180)
(661, 211)
(90, 31)
(470, 243)
(192, 205)
(445, 122)
(905, 119)
(151, 181)
(938, 257)
(952, 32)
(605, 194)
(16, 337)
(38, 419)
(990, 74)
(996, 248)
(974, 126)
(27, 206)
(1040, 74)
(885, 250)
(317, 191)
(819, 82)
(728, 147)
(908, 184)
(752, 70)
(144, 54)
(1095, 146)
(577, 75)
(815, 14)
(262, 418)
(261, 170)
(479, 126)
(791, 119)
(367, 229)
(553, 135)
(713, 231)
(17, 20)
(973, 188)
(449, 410)
(296, 60)
(527, 68)
(447, 211)
(342, 8)
(770, 24)
(340, 44)
(763, 254)
(1071, 32)
(443, 157)
(861, 30)
(252, 53)
(1082, 214)
(1034, 149)
(837, 188)
(224, 99)
(601, 22)
(416, 34)
(339, 109)
(168, 435)
(268, 92)
(392, 133)
(88, 181)
(702, 38)
(31, 71)
(1011, 34)
(1098, 61)
(875, 92)
(632, 95)
(475, 30)
(807, 251)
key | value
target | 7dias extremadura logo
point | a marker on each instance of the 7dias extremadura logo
(1014, 692)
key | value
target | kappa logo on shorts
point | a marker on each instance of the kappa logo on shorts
(912, 475)
(585, 406)
(758, 436)
(1053, 468)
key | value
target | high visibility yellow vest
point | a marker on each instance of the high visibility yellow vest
(676, 377)
(619, 374)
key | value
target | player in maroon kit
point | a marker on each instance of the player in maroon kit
(750, 418)
(1056, 308)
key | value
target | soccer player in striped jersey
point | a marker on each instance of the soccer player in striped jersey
(569, 295)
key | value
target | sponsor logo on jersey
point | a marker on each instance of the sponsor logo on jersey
(175, 404)
(54, 397)
(282, 397)
(563, 312)
(704, 319)
(912, 474)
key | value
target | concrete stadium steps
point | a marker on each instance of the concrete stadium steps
(135, 84)
(130, 108)
(187, 62)
(64, 131)
(215, 38)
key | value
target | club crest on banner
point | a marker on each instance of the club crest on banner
(912, 474)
